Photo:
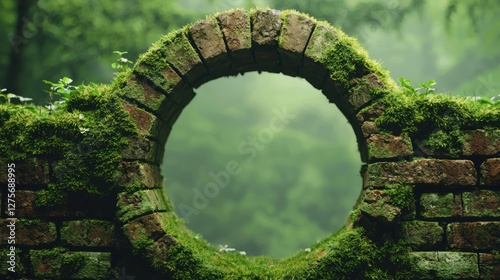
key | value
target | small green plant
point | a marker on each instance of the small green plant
(427, 87)
(121, 62)
(8, 97)
(64, 90)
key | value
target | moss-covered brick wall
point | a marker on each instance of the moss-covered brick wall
(82, 196)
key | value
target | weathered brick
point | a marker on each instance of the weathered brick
(29, 232)
(489, 266)
(376, 205)
(28, 172)
(89, 233)
(181, 55)
(490, 172)
(481, 203)
(422, 235)
(363, 90)
(235, 26)
(209, 41)
(148, 125)
(60, 264)
(425, 171)
(141, 149)
(445, 265)
(368, 128)
(322, 39)
(481, 142)
(436, 205)
(144, 174)
(474, 235)
(294, 35)
(151, 226)
(144, 93)
(26, 207)
(266, 26)
(141, 203)
(382, 146)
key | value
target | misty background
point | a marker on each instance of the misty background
(302, 184)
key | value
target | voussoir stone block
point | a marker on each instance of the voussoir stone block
(363, 90)
(295, 33)
(140, 203)
(141, 149)
(323, 38)
(425, 171)
(146, 175)
(182, 56)
(236, 28)
(266, 26)
(474, 235)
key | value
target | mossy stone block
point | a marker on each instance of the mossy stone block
(422, 235)
(477, 236)
(481, 203)
(140, 203)
(383, 146)
(236, 28)
(91, 233)
(437, 205)
(490, 172)
(445, 265)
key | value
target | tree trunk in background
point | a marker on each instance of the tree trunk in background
(18, 42)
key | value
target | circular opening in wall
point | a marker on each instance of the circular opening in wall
(262, 164)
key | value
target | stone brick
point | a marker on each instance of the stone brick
(445, 265)
(363, 90)
(144, 174)
(21, 270)
(28, 172)
(295, 33)
(29, 232)
(26, 207)
(208, 39)
(422, 235)
(381, 146)
(235, 26)
(141, 149)
(481, 203)
(489, 266)
(474, 235)
(141, 203)
(376, 205)
(266, 26)
(148, 125)
(145, 93)
(490, 172)
(181, 55)
(322, 40)
(88, 233)
(436, 205)
(60, 264)
(481, 142)
(368, 128)
(425, 171)
(151, 226)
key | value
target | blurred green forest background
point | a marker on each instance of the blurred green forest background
(304, 182)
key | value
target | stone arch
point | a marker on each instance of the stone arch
(161, 84)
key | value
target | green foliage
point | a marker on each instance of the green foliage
(401, 195)
(121, 62)
(426, 87)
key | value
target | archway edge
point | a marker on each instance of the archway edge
(237, 41)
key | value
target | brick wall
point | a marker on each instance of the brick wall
(443, 203)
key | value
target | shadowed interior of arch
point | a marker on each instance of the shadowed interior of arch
(262, 163)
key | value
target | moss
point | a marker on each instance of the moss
(401, 195)
(450, 142)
